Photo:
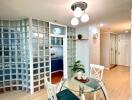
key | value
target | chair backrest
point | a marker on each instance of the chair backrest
(50, 90)
(96, 71)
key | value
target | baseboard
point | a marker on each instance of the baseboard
(110, 66)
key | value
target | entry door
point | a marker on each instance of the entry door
(113, 56)
(124, 49)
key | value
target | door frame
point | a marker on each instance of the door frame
(65, 69)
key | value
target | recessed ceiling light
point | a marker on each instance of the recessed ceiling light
(126, 31)
(101, 25)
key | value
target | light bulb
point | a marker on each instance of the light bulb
(74, 21)
(77, 12)
(84, 18)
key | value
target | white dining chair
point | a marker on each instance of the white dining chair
(54, 92)
(96, 71)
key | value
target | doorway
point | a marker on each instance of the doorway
(58, 51)
(56, 58)
(120, 49)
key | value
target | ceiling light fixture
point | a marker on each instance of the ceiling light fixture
(79, 11)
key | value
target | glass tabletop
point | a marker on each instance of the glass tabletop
(76, 85)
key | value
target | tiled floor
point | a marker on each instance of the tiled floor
(116, 80)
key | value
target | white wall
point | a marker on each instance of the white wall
(131, 61)
(82, 48)
(88, 51)
(94, 45)
(105, 49)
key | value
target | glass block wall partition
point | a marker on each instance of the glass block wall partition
(71, 48)
(13, 55)
(40, 52)
(24, 55)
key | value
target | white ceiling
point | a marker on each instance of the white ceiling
(115, 14)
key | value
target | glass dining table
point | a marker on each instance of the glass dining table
(81, 86)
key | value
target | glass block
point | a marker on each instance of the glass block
(1, 78)
(7, 77)
(41, 47)
(41, 87)
(19, 82)
(6, 59)
(35, 65)
(20, 76)
(35, 22)
(35, 83)
(5, 35)
(18, 59)
(0, 41)
(13, 59)
(35, 77)
(13, 76)
(7, 88)
(1, 84)
(41, 75)
(41, 42)
(35, 59)
(0, 53)
(13, 35)
(46, 51)
(47, 69)
(13, 47)
(41, 81)
(35, 53)
(13, 71)
(6, 53)
(35, 71)
(5, 30)
(41, 70)
(12, 41)
(13, 82)
(19, 71)
(1, 72)
(13, 53)
(6, 41)
(40, 30)
(41, 53)
(0, 60)
(6, 47)
(41, 64)
(41, 59)
(47, 58)
(36, 89)
(13, 65)
(46, 63)
(7, 71)
(6, 65)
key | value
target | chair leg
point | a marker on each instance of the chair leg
(95, 96)
(104, 90)
(83, 96)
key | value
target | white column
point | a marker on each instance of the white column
(31, 56)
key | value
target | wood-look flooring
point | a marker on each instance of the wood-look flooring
(116, 81)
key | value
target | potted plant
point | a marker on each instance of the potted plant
(77, 67)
